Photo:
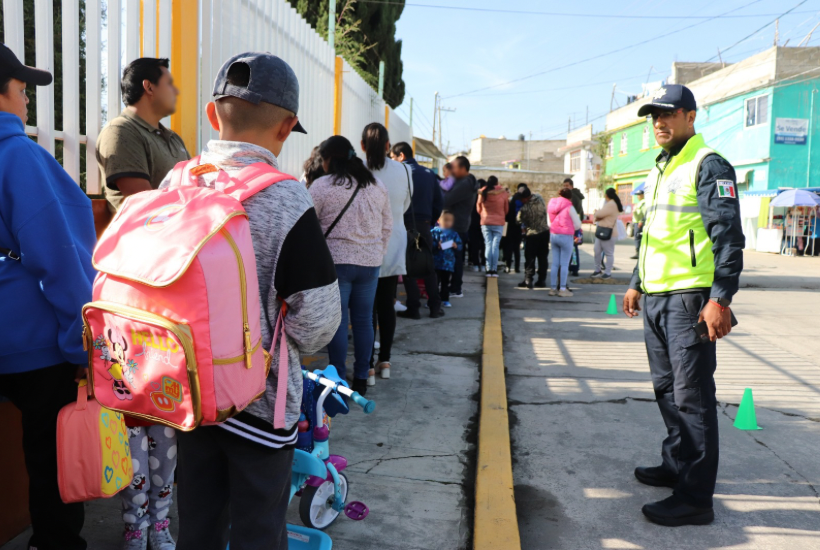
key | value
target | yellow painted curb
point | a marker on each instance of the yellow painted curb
(496, 523)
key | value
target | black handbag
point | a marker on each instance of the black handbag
(603, 233)
(418, 256)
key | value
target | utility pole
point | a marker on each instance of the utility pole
(612, 97)
(440, 127)
(569, 124)
(528, 150)
(331, 25)
(722, 64)
(808, 36)
(381, 79)
(776, 31)
(587, 122)
(435, 113)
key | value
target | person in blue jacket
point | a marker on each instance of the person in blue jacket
(46, 240)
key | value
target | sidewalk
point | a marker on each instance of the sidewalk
(583, 416)
(411, 461)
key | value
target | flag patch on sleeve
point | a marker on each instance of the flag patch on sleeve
(726, 189)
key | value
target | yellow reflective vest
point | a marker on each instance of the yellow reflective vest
(676, 252)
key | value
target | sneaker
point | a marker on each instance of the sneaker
(495, 274)
(565, 293)
(488, 274)
(457, 295)
(596, 274)
(553, 292)
(377, 345)
(398, 306)
(673, 512)
(446, 304)
(160, 537)
(135, 539)
(507, 269)
(415, 315)
(436, 314)
(606, 276)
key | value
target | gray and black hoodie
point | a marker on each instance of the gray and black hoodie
(293, 264)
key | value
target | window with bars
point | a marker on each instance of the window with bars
(757, 110)
(575, 161)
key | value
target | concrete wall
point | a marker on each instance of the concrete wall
(684, 72)
(536, 155)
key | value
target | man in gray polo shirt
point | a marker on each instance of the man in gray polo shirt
(134, 150)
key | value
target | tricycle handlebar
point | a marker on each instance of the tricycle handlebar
(367, 405)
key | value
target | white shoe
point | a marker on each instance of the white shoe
(565, 293)
(384, 369)
(371, 377)
(377, 345)
(135, 539)
(398, 306)
(553, 292)
(160, 537)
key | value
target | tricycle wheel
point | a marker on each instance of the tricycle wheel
(316, 505)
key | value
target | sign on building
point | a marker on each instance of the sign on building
(791, 130)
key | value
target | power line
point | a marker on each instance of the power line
(623, 79)
(565, 14)
(758, 30)
(575, 63)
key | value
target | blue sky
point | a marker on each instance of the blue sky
(457, 51)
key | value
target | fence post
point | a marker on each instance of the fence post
(184, 63)
(13, 26)
(381, 79)
(337, 96)
(387, 116)
(331, 25)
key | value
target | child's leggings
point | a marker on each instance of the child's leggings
(154, 456)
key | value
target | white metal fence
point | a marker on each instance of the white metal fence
(145, 27)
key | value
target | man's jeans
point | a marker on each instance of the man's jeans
(492, 242)
(357, 287)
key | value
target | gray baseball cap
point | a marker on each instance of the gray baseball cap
(271, 80)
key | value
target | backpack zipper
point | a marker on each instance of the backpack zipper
(692, 247)
(243, 286)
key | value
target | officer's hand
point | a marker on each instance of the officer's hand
(632, 302)
(719, 322)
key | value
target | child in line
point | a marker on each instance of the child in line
(238, 473)
(447, 183)
(445, 244)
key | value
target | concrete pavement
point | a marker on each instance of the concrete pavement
(583, 416)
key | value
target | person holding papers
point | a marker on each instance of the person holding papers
(446, 242)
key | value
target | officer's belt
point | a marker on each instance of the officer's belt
(673, 208)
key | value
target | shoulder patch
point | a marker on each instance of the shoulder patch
(726, 189)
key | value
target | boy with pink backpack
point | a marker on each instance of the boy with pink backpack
(198, 281)
(243, 466)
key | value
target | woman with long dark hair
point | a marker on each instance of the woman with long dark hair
(492, 206)
(396, 178)
(606, 218)
(354, 210)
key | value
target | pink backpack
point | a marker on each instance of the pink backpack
(173, 333)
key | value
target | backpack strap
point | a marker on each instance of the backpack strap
(180, 175)
(253, 179)
(279, 407)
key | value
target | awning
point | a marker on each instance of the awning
(427, 148)
(761, 193)
(744, 175)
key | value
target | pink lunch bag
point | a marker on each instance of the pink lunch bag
(173, 333)
(93, 453)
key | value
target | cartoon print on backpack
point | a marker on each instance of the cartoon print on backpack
(113, 352)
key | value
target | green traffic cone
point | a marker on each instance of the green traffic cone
(746, 418)
(613, 306)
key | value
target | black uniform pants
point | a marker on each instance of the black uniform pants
(536, 249)
(683, 375)
(411, 287)
(231, 488)
(512, 248)
(40, 394)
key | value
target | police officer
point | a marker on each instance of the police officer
(690, 262)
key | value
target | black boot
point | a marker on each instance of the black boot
(656, 476)
(525, 284)
(673, 512)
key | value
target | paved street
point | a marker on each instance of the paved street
(583, 416)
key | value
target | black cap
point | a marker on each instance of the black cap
(10, 67)
(272, 81)
(670, 98)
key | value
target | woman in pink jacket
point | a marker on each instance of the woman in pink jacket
(493, 205)
(564, 221)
